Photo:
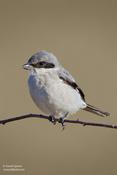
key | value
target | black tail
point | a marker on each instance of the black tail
(95, 110)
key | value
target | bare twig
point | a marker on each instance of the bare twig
(84, 123)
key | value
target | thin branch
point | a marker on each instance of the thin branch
(84, 123)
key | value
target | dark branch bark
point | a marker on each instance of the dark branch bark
(57, 120)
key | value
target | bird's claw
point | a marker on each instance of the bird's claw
(61, 120)
(52, 119)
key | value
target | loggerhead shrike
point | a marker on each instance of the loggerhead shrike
(53, 89)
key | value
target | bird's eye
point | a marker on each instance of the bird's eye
(42, 63)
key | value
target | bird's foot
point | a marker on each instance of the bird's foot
(61, 120)
(52, 119)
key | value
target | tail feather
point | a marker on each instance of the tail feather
(95, 110)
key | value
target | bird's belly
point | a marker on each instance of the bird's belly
(39, 95)
(55, 97)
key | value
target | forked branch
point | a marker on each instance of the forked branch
(84, 123)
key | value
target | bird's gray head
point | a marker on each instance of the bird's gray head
(42, 59)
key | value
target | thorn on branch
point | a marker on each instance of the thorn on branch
(84, 124)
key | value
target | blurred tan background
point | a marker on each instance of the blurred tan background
(83, 35)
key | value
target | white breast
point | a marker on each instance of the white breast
(52, 95)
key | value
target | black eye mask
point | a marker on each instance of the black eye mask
(43, 64)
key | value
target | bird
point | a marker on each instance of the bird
(54, 90)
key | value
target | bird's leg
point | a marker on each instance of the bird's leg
(52, 119)
(61, 120)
